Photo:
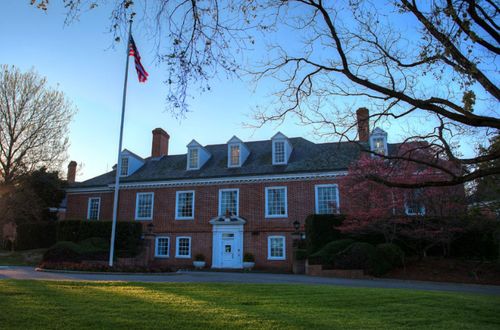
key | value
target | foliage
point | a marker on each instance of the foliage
(300, 254)
(248, 257)
(64, 251)
(481, 239)
(35, 235)
(487, 190)
(392, 254)
(34, 125)
(21, 258)
(199, 257)
(327, 254)
(322, 229)
(128, 234)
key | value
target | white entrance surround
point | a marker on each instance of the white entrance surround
(227, 245)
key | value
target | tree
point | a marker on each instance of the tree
(487, 190)
(33, 126)
(433, 62)
(31, 197)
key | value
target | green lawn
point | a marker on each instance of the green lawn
(21, 258)
(96, 305)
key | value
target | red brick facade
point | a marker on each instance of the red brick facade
(300, 204)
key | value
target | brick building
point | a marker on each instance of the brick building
(225, 200)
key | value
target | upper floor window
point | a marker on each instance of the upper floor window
(414, 204)
(228, 201)
(124, 166)
(162, 247)
(379, 146)
(234, 155)
(276, 248)
(184, 205)
(194, 158)
(93, 208)
(279, 152)
(378, 142)
(144, 206)
(276, 202)
(327, 199)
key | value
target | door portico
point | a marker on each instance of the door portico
(227, 251)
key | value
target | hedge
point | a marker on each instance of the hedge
(35, 235)
(322, 229)
(326, 256)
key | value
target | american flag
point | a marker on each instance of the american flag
(132, 51)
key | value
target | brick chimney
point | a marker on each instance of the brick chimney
(71, 172)
(159, 147)
(363, 120)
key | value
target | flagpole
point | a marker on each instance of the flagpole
(118, 163)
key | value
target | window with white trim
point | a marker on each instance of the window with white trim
(184, 202)
(276, 248)
(162, 247)
(276, 202)
(193, 158)
(124, 166)
(327, 199)
(183, 247)
(234, 155)
(144, 206)
(414, 204)
(379, 145)
(279, 152)
(228, 201)
(94, 207)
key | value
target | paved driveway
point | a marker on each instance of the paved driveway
(29, 273)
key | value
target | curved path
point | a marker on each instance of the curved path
(29, 273)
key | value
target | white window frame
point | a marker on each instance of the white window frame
(316, 195)
(284, 152)
(124, 168)
(229, 155)
(237, 200)
(267, 215)
(177, 216)
(269, 238)
(190, 150)
(157, 255)
(98, 207)
(421, 211)
(137, 205)
(177, 239)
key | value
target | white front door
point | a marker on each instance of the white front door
(227, 247)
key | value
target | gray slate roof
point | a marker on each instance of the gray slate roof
(306, 157)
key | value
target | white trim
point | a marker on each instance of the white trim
(98, 208)
(122, 168)
(237, 200)
(177, 193)
(284, 162)
(137, 205)
(267, 215)
(316, 209)
(269, 238)
(221, 181)
(177, 247)
(188, 167)
(156, 247)
(229, 156)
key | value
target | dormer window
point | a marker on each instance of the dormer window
(124, 167)
(279, 152)
(234, 155)
(194, 158)
(378, 142)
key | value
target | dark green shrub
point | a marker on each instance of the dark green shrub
(128, 234)
(326, 255)
(199, 257)
(300, 254)
(248, 257)
(63, 251)
(95, 243)
(357, 256)
(392, 253)
(35, 235)
(322, 229)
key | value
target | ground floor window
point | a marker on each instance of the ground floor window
(93, 208)
(276, 248)
(162, 247)
(183, 247)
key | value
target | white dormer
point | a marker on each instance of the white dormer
(378, 142)
(129, 163)
(197, 156)
(237, 152)
(282, 149)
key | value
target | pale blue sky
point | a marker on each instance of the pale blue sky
(78, 58)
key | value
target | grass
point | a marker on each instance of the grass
(21, 258)
(117, 305)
